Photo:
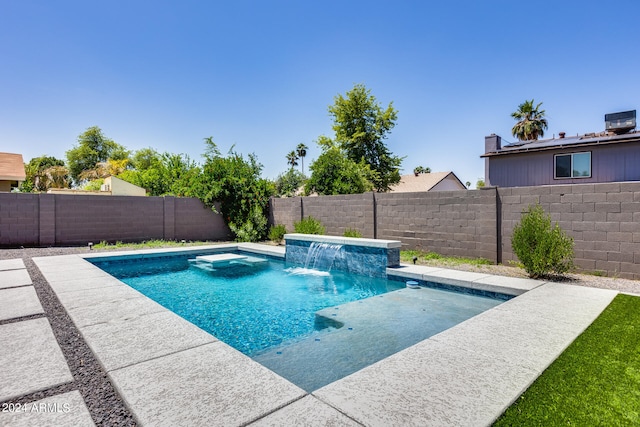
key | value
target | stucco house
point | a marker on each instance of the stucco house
(609, 156)
(435, 181)
(12, 172)
(112, 186)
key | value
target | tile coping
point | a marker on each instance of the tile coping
(352, 241)
(347, 404)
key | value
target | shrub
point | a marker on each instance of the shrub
(351, 232)
(277, 232)
(235, 183)
(541, 247)
(309, 225)
(252, 229)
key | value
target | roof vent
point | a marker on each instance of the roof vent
(620, 123)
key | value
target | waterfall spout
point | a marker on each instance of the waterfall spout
(321, 255)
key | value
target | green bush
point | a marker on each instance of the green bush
(541, 247)
(351, 232)
(252, 229)
(309, 225)
(277, 232)
(235, 183)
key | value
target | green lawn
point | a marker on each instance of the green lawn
(595, 382)
(407, 257)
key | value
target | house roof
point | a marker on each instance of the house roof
(569, 141)
(12, 167)
(422, 182)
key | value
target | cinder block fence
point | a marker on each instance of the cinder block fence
(59, 219)
(603, 219)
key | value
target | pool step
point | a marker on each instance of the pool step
(371, 330)
(208, 262)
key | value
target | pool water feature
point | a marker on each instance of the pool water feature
(312, 327)
(321, 256)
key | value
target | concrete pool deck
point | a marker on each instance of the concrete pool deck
(169, 372)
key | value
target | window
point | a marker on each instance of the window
(575, 165)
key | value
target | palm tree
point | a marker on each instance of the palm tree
(292, 159)
(301, 151)
(531, 122)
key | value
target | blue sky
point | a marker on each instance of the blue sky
(261, 74)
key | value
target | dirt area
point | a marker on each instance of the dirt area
(622, 285)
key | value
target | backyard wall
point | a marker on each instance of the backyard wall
(57, 219)
(603, 219)
(452, 223)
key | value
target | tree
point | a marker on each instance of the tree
(45, 172)
(480, 183)
(93, 147)
(301, 151)
(288, 183)
(421, 169)
(292, 159)
(235, 183)
(161, 174)
(334, 173)
(361, 126)
(531, 122)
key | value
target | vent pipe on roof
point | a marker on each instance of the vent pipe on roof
(561, 135)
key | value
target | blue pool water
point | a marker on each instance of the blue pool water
(251, 308)
(311, 327)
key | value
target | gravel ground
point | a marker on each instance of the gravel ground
(622, 285)
(106, 406)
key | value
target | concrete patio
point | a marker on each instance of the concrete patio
(169, 372)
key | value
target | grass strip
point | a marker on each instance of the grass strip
(423, 257)
(149, 244)
(594, 382)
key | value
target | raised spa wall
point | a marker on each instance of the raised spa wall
(369, 257)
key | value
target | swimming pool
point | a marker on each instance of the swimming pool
(310, 327)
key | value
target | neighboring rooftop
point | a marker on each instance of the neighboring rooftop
(12, 167)
(600, 138)
(620, 127)
(434, 181)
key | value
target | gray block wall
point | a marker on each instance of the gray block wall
(452, 223)
(603, 219)
(60, 219)
(19, 219)
(285, 211)
(448, 222)
(338, 213)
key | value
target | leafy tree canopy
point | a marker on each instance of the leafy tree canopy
(93, 147)
(45, 172)
(288, 183)
(361, 126)
(161, 174)
(335, 173)
(235, 183)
